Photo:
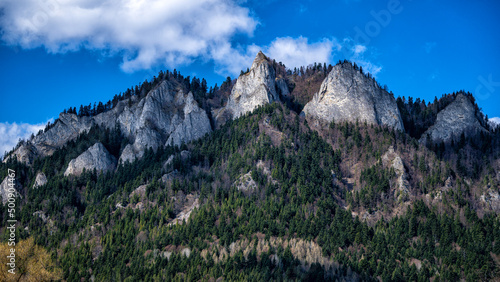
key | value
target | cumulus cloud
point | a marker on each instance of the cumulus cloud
(10, 133)
(293, 52)
(144, 32)
(148, 33)
(296, 52)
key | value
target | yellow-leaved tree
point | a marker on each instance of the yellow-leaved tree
(32, 263)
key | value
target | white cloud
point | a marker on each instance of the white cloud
(293, 52)
(360, 54)
(10, 133)
(144, 32)
(147, 33)
(494, 121)
(296, 52)
(359, 49)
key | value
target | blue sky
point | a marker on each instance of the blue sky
(55, 54)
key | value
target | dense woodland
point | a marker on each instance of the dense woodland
(304, 191)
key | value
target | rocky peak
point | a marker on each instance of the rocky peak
(346, 94)
(96, 157)
(252, 89)
(166, 115)
(457, 118)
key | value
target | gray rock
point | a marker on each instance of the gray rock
(491, 199)
(253, 89)
(452, 121)
(128, 154)
(393, 160)
(5, 189)
(246, 183)
(96, 157)
(348, 95)
(194, 125)
(169, 176)
(165, 116)
(25, 153)
(167, 166)
(40, 180)
(41, 215)
(67, 128)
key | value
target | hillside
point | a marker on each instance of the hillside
(266, 193)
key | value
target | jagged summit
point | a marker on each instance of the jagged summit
(257, 87)
(457, 118)
(259, 59)
(166, 115)
(347, 94)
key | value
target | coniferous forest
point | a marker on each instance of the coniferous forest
(268, 196)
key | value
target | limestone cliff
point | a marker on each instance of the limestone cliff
(96, 157)
(452, 121)
(166, 115)
(391, 159)
(348, 95)
(256, 88)
(5, 189)
(40, 180)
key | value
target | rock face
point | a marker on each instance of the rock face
(165, 116)
(348, 95)
(96, 157)
(40, 180)
(256, 88)
(393, 160)
(5, 189)
(457, 117)
(66, 128)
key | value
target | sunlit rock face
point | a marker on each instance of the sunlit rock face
(346, 94)
(457, 118)
(96, 157)
(255, 88)
(166, 115)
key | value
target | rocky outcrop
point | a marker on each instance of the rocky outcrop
(194, 125)
(246, 183)
(392, 160)
(66, 128)
(457, 118)
(96, 157)
(255, 88)
(491, 199)
(348, 95)
(6, 189)
(40, 180)
(165, 116)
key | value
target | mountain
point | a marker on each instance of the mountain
(457, 118)
(349, 95)
(158, 185)
(166, 115)
(258, 87)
